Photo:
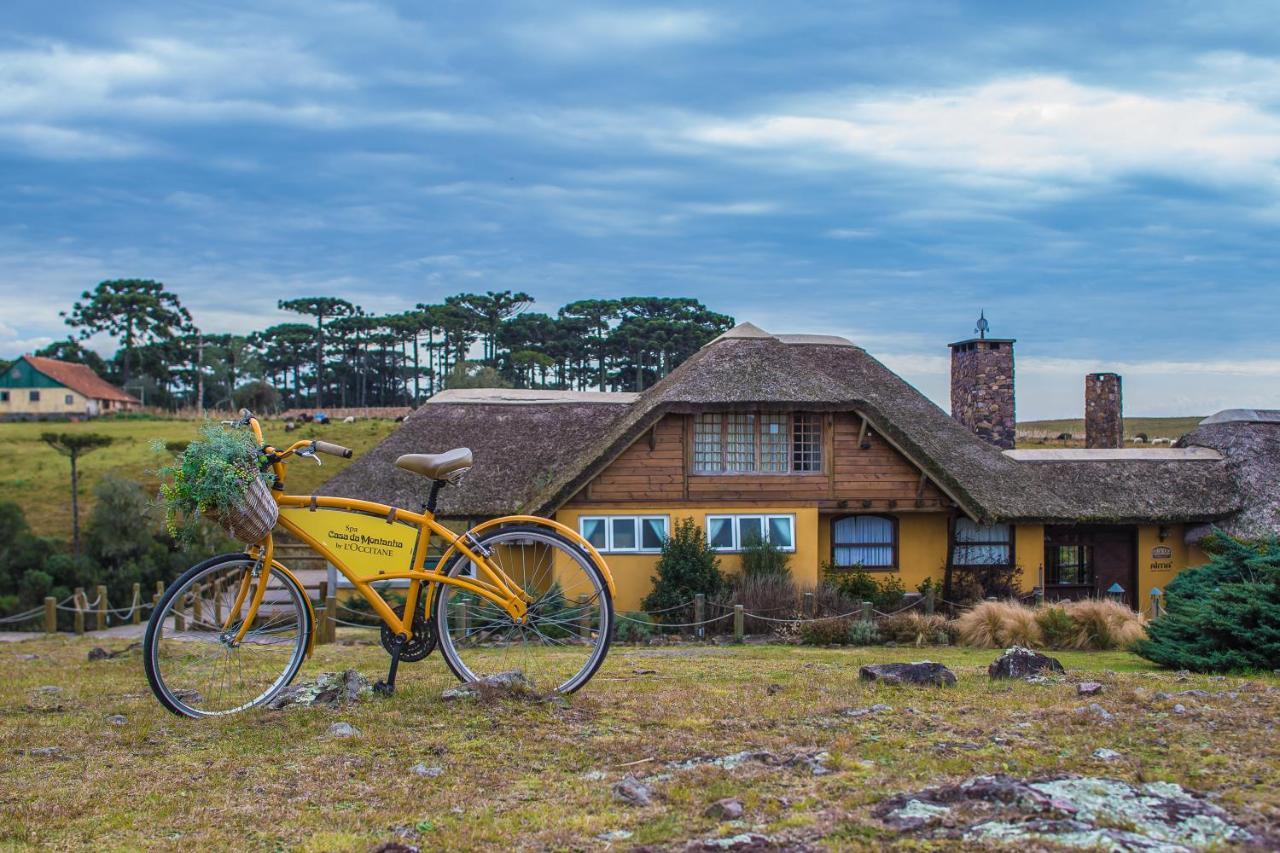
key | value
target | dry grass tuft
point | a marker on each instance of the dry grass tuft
(916, 629)
(1103, 625)
(998, 625)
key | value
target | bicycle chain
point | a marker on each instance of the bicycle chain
(420, 643)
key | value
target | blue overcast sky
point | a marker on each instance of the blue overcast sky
(1103, 179)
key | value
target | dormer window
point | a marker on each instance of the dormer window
(757, 442)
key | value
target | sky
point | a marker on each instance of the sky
(1102, 179)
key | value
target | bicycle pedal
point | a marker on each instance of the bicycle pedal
(383, 689)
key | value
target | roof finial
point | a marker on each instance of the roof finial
(983, 326)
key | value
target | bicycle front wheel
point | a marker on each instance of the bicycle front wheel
(565, 634)
(195, 666)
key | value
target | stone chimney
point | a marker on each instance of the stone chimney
(982, 387)
(1103, 411)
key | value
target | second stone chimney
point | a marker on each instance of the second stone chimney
(1103, 411)
(982, 387)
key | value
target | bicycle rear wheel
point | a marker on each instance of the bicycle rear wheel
(192, 662)
(566, 632)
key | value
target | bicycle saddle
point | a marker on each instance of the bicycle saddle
(437, 466)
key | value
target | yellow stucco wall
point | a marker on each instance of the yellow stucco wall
(1155, 569)
(52, 402)
(922, 549)
(632, 573)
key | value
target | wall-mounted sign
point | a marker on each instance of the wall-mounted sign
(1161, 558)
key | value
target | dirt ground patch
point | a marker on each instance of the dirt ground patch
(791, 734)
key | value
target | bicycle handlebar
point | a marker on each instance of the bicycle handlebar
(331, 449)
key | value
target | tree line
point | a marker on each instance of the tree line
(344, 356)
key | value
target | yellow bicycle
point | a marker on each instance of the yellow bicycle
(514, 593)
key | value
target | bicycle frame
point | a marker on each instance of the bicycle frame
(490, 581)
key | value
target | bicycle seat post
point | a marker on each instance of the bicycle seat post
(436, 486)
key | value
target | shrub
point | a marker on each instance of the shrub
(636, 628)
(970, 585)
(1102, 624)
(998, 625)
(774, 596)
(839, 632)
(915, 629)
(762, 558)
(863, 633)
(857, 585)
(1057, 628)
(687, 567)
(1221, 616)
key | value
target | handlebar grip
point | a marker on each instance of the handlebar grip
(332, 449)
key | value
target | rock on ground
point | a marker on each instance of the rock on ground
(1088, 688)
(424, 770)
(343, 730)
(1019, 662)
(1066, 810)
(328, 690)
(632, 791)
(922, 672)
(730, 808)
(511, 684)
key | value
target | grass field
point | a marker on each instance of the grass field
(1030, 433)
(515, 774)
(34, 473)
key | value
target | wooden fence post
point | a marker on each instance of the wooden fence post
(101, 620)
(322, 626)
(79, 600)
(50, 615)
(866, 611)
(137, 604)
(331, 615)
(738, 628)
(463, 618)
(159, 589)
(179, 618)
(699, 614)
(197, 605)
(809, 608)
(928, 601)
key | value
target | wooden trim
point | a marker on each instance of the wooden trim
(829, 451)
(862, 434)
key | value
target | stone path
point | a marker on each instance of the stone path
(119, 632)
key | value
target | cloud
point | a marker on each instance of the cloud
(595, 33)
(1007, 133)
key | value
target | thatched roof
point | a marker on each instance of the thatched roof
(518, 443)
(1250, 441)
(535, 450)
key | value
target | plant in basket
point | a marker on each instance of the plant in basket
(220, 476)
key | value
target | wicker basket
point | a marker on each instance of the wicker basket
(253, 519)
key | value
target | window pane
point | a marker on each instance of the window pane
(706, 443)
(780, 531)
(740, 443)
(750, 530)
(806, 443)
(773, 443)
(593, 531)
(653, 532)
(720, 532)
(863, 540)
(624, 534)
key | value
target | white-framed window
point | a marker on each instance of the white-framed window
(735, 532)
(68, 400)
(623, 534)
(757, 442)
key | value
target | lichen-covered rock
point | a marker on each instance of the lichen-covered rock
(632, 791)
(921, 672)
(1069, 811)
(328, 690)
(499, 685)
(1019, 662)
(1088, 688)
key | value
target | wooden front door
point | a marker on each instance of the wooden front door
(1085, 561)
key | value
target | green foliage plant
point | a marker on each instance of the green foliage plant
(211, 475)
(762, 558)
(687, 567)
(858, 585)
(1222, 616)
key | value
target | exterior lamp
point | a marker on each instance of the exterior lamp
(1115, 592)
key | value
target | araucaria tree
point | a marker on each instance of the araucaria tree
(322, 308)
(73, 445)
(1221, 616)
(136, 311)
(686, 568)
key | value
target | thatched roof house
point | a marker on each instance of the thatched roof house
(1249, 441)
(883, 450)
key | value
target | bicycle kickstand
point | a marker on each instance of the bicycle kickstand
(386, 688)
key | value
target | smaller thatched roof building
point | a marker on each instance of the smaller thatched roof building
(1249, 441)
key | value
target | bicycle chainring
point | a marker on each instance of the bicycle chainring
(420, 643)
